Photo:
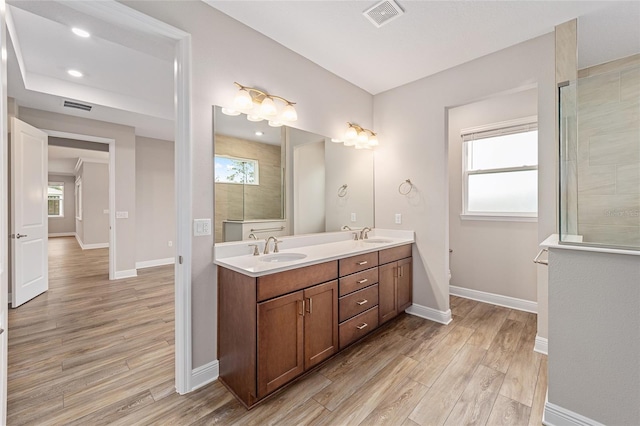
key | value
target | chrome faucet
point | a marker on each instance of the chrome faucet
(346, 228)
(252, 236)
(364, 232)
(275, 245)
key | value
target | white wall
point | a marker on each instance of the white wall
(411, 121)
(155, 200)
(594, 335)
(490, 256)
(124, 174)
(67, 223)
(94, 226)
(224, 51)
(309, 188)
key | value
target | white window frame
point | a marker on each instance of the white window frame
(78, 198)
(256, 168)
(483, 132)
(61, 215)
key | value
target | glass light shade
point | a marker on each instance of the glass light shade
(268, 108)
(373, 141)
(229, 111)
(363, 137)
(243, 100)
(350, 135)
(361, 145)
(349, 142)
(254, 117)
(289, 113)
(273, 123)
(334, 140)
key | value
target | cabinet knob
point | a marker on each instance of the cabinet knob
(362, 302)
(361, 326)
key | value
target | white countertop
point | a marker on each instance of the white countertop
(318, 248)
(575, 243)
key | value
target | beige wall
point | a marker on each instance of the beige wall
(608, 153)
(224, 51)
(490, 256)
(249, 202)
(66, 224)
(155, 200)
(411, 121)
(95, 200)
(124, 174)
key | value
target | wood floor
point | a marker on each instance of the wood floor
(94, 352)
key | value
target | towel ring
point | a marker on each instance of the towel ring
(402, 189)
(342, 191)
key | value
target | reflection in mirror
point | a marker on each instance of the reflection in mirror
(285, 181)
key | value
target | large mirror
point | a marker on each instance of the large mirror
(285, 181)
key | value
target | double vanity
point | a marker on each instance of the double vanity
(282, 314)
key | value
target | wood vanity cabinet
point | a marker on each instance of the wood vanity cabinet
(395, 282)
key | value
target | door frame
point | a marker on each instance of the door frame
(112, 188)
(4, 223)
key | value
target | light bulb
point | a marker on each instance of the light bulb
(289, 113)
(243, 100)
(254, 117)
(273, 123)
(268, 108)
(373, 140)
(363, 137)
(229, 111)
(350, 134)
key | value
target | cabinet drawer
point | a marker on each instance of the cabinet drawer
(270, 286)
(358, 302)
(395, 253)
(354, 282)
(358, 326)
(358, 263)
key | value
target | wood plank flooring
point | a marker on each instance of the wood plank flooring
(91, 351)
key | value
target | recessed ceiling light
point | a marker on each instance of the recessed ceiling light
(74, 73)
(259, 133)
(80, 32)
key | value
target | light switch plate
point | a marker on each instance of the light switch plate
(122, 215)
(201, 227)
(353, 217)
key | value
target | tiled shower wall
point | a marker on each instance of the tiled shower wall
(608, 152)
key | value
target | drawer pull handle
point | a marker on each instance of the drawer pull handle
(361, 326)
(364, 262)
(362, 302)
(362, 281)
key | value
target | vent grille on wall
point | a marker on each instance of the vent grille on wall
(383, 12)
(77, 105)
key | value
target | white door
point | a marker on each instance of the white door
(29, 227)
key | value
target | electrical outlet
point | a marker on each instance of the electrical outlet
(398, 218)
(353, 217)
(170, 243)
(122, 215)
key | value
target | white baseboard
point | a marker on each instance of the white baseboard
(555, 415)
(443, 317)
(62, 234)
(156, 262)
(84, 246)
(542, 345)
(204, 374)
(127, 273)
(495, 299)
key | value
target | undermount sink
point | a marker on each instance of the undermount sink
(283, 257)
(376, 241)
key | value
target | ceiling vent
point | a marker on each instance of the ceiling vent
(77, 105)
(383, 12)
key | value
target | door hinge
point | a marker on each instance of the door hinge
(180, 260)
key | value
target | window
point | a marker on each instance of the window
(500, 171)
(55, 194)
(236, 170)
(78, 194)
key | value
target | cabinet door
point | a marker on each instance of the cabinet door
(280, 341)
(405, 284)
(387, 301)
(320, 323)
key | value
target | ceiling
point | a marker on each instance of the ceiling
(63, 160)
(431, 36)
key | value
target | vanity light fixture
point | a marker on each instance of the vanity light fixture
(359, 137)
(260, 105)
